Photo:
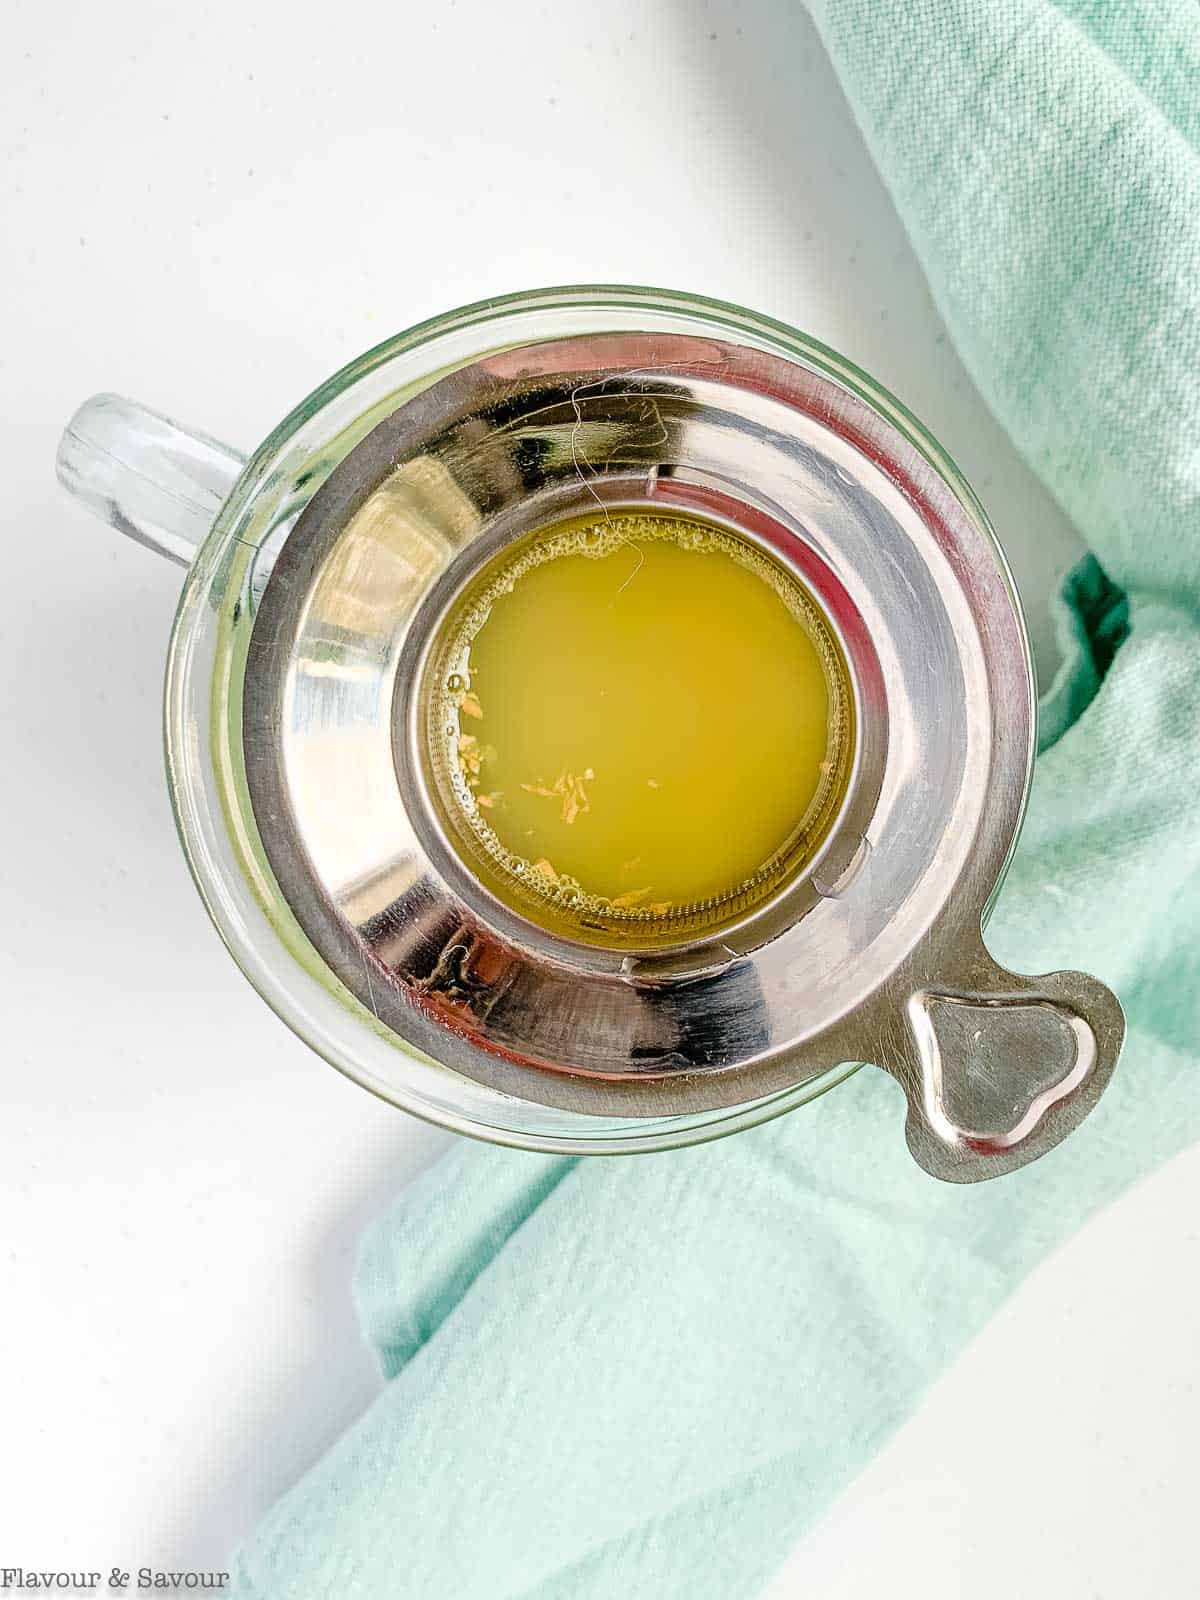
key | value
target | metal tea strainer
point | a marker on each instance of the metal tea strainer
(873, 953)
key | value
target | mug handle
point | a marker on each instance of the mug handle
(161, 484)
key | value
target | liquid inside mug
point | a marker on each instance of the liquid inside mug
(318, 573)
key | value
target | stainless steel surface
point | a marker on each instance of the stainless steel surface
(874, 955)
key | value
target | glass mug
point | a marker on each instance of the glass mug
(317, 572)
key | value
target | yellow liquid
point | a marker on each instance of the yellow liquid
(642, 726)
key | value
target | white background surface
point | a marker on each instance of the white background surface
(211, 209)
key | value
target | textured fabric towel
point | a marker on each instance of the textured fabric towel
(646, 1377)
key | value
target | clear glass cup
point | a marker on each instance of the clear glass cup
(224, 518)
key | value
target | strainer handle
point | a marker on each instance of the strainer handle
(998, 1067)
(142, 473)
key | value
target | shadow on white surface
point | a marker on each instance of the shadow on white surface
(327, 1376)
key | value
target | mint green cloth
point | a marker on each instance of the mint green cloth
(647, 1377)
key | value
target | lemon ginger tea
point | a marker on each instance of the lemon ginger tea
(641, 726)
